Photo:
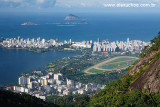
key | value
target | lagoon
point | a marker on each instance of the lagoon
(15, 61)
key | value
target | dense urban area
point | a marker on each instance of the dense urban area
(104, 46)
(66, 76)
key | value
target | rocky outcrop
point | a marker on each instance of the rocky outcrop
(150, 79)
(141, 64)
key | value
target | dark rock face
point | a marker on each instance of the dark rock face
(149, 79)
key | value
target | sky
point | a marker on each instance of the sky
(77, 5)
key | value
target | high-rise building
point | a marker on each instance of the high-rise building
(127, 40)
(32, 40)
(19, 38)
(43, 41)
(33, 84)
(94, 48)
(99, 48)
(30, 79)
(38, 39)
(104, 48)
(98, 40)
(58, 76)
(22, 81)
(44, 82)
(70, 82)
(107, 41)
(117, 42)
(70, 41)
(57, 39)
(91, 42)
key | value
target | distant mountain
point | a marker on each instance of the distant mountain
(139, 87)
(72, 17)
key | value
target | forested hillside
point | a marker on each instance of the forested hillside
(10, 99)
(139, 87)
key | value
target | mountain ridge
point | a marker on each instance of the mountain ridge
(149, 78)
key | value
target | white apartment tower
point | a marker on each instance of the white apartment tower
(22, 81)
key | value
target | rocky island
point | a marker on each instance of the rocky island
(72, 17)
(71, 20)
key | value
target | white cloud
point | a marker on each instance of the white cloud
(27, 3)
(99, 3)
(77, 3)
(83, 4)
(68, 3)
(40, 1)
(12, 0)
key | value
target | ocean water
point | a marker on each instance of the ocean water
(105, 26)
(13, 62)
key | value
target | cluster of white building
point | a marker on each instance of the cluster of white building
(51, 84)
(32, 43)
(106, 46)
(83, 44)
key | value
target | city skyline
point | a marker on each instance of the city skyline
(104, 45)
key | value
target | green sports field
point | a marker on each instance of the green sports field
(114, 64)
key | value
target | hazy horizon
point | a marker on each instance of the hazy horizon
(79, 6)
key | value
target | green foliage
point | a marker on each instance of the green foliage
(156, 57)
(10, 99)
(117, 94)
(138, 99)
(72, 68)
(155, 45)
(70, 100)
(156, 98)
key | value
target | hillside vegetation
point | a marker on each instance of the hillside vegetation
(10, 99)
(139, 87)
